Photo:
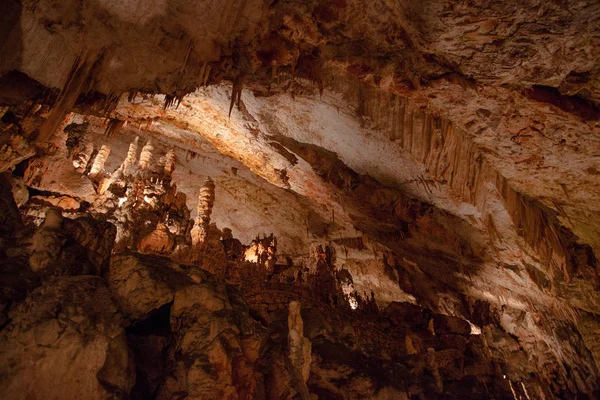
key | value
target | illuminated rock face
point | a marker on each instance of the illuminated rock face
(189, 184)
(206, 201)
(99, 161)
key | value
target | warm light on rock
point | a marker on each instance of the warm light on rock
(297, 200)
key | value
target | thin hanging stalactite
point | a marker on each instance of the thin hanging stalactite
(78, 82)
(236, 92)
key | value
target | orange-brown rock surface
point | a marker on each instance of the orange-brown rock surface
(177, 178)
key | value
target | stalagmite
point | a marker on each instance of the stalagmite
(129, 163)
(99, 161)
(451, 171)
(146, 155)
(300, 348)
(206, 201)
(169, 166)
(126, 168)
(81, 159)
(104, 184)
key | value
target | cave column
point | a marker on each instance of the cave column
(206, 201)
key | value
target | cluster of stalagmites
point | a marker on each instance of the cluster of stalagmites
(80, 322)
(282, 331)
(140, 199)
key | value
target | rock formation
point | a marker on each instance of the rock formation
(146, 156)
(131, 158)
(206, 201)
(47, 241)
(300, 349)
(170, 162)
(66, 340)
(98, 164)
(82, 159)
(421, 177)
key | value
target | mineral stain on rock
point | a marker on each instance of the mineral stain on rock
(403, 203)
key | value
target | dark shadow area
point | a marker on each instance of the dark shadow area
(150, 340)
(16, 88)
(11, 36)
(576, 105)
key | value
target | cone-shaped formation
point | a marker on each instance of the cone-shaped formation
(82, 159)
(206, 201)
(129, 163)
(170, 160)
(146, 155)
(99, 161)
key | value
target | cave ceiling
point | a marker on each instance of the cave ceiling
(448, 151)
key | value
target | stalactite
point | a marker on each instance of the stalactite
(236, 92)
(108, 105)
(81, 159)
(202, 72)
(206, 201)
(146, 155)
(274, 70)
(206, 76)
(191, 46)
(114, 126)
(78, 82)
(131, 95)
(99, 161)
(173, 100)
(169, 99)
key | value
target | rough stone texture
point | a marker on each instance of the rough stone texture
(215, 341)
(66, 341)
(300, 348)
(443, 324)
(142, 283)
(14, 149)
(70, 247)
(440, 157)
(206, 201)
